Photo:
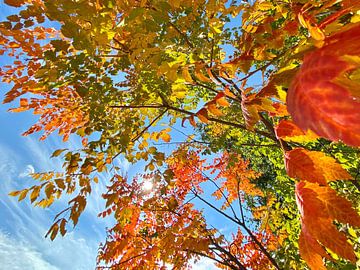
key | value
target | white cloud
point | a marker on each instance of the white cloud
(25, 246)
(204, 264)
(17, 256)
(29, 169)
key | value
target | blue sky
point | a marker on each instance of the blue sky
(22, 227)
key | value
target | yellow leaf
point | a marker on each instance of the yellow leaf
(14, 193)
(35, 193)
(151, 167)
(186, 75)
(223, 102)
(179, 90)
(22, 194)
(316, 33)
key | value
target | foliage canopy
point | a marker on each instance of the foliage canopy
(263, 96)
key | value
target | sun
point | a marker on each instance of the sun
(148, 185)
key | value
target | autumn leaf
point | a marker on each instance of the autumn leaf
(251, 106)
(311, 251)
(199, 75)
(14, 3)
(288, 131)
(186, 75)
(314, 30)
(314, 166)
(319, 206)
(228, 93)
(203, 115)
(317, 102)
(114, 73)
(214, 110)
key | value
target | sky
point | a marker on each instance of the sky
(23, 227)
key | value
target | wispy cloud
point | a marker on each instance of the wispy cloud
(18, 256)
(29, 169)
(26, 226)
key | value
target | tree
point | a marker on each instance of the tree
(265, 93)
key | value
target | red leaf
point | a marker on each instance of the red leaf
(317, 100)
(319, 207)
(314, 166)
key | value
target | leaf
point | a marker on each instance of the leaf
(200, 75)
(220, 99)
(317, 102)
(192, 121)
(251, 106)
(62, 227)
(14, 193)
(314, 30)
(54, 231)
(186, 75)
(288, 131)
(57, 152)
(49, 190)
(35, 194)
(214, 110)
(311, 251)
(15, 3)
(280, 110)
(165, 137)
(228, 93)
(314, 167)
(319, 206)
(203, 115)
(22, 194)
(211, 75)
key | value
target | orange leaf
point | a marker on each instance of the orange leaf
(24, 102)
(203, 115)
(288, 131)
(228, 92)
(317, 101)
(220, 99)
(311, 251)
(223, 102)
(314, 166)
(200, 75)
(15, 3)
(319, 206)
(280, 110)
(251, 105)
(192, 121)
(215, 111)
(314, 30)
(250, 113)
(165, 137)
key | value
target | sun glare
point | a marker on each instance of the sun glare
(148, 185)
